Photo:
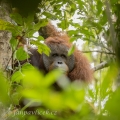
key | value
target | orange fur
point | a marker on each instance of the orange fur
(58, 40)
(82, 70)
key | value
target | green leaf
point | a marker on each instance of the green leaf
(29, 19)
(4, 25)
(18, 18)
(73, 39)
(32, 28)
(111, 74)
(71, 32)
(52, 76)
(64, 24)
(40, 24)
(33, 78)
(26, 67)
(73, 96)
(112, 104)
(47, 14)
(13, 43)
(17, 76)
(81, 4)
(30, 33)
(71, 50)
(42, 48)
(4, 86)
(21, 54)
(15, 98)
(99, 6)
(39, 38)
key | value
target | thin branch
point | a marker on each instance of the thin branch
(101, 66)
(105, 46)
(99, 52)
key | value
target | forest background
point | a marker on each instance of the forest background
(95, 24)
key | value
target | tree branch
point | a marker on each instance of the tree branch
(101, 66)
(99, 52)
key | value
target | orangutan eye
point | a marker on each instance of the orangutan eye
(63, 56)
(55, 55)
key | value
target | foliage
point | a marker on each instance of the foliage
(97, 24)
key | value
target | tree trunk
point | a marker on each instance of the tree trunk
(5, 36)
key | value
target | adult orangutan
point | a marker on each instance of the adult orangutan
(76, 66)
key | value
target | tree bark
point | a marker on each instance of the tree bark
(5, 36)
